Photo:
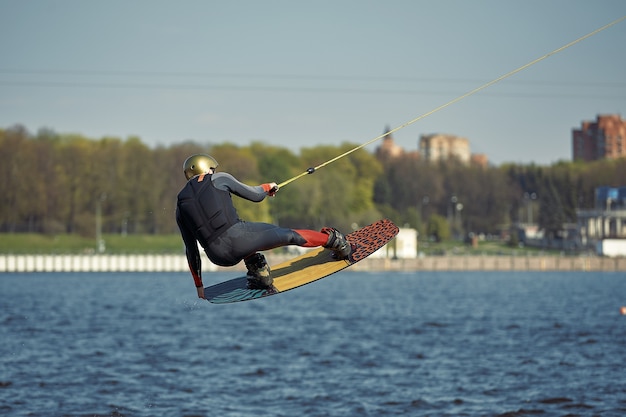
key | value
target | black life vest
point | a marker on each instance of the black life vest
(206, 210)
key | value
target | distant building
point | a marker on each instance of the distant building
(480, 159)
(404, 246)
(604, 138)
(435, 147)
(388, 149)
(606, 223)
(439, 147)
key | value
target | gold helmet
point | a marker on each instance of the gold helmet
(198, 164)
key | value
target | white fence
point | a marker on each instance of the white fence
(178, 263)
(97, 263)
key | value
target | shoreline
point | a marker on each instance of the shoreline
(178, 263)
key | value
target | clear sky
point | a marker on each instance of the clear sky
(305, 73)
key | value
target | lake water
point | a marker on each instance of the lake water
(353, 344)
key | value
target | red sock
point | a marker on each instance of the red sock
(313, 238)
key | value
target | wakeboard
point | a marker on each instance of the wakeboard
(309, 267)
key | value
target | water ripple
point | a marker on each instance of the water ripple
(355, 344)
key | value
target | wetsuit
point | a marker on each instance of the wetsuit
(205, 214)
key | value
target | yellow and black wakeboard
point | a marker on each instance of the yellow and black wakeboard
(313, 265)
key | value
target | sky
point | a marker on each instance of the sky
(300, 74)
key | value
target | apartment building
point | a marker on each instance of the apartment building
(604, 138)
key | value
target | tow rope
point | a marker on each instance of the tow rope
(311, 170)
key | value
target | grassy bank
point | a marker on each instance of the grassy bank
(25, 243)
(28, 243)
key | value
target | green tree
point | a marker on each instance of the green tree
(75, 183)
(54, 183)
(277, 164)
(438, 228)
(45, 182)
(239, 162)
(14, 170)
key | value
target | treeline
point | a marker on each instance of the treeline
(57, 183)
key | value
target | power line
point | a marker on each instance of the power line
(252, 76)
(315, 90)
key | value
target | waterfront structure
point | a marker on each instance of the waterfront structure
(604, 226)
(604, 138)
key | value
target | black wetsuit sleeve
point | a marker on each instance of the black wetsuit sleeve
(191, 251)
(226, 182)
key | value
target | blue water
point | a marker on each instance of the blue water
(354, 344)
